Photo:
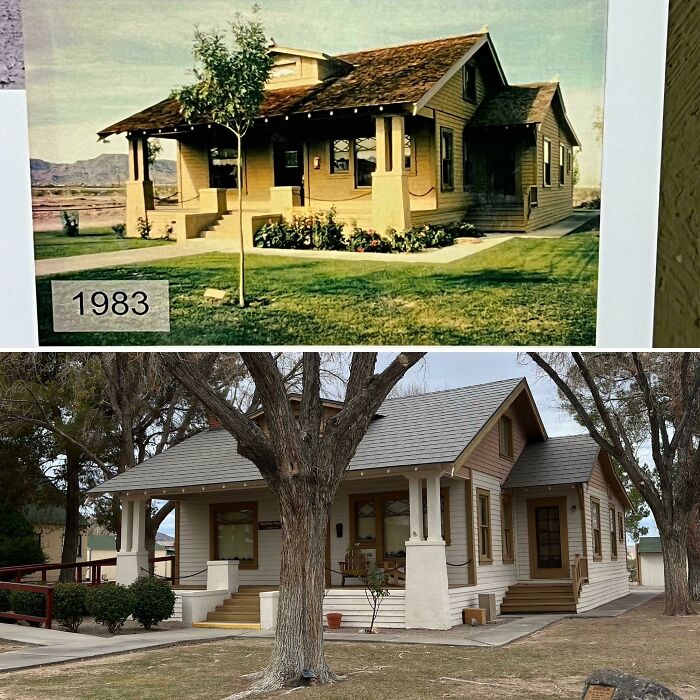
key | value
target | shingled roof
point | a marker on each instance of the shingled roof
(387, 76)
(522, 104)
(429, 428)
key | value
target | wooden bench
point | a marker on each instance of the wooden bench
(355, 564)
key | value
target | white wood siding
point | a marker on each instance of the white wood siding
(357, 612)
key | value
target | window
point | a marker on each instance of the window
(507, 529)
(365, 160)
(235, 533)
(381, 523)
(407, 152)
(595, 526)
(621, 527)
(568, 160)
(484, 523)
(505, 436)
(469, 83)
(447, 159)
(562, 165)
(340, 156)
(223, 168)
(468, 165)
(613, 534)
(547, 163)
(285, 68)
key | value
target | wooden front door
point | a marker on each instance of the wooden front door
(549, 538)
(289, 164)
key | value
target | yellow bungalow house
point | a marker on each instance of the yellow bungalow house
(427, 132)
(455, 494)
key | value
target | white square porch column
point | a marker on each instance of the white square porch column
(391, 207)
(132, 558)
(427, 589)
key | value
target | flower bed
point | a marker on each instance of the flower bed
(324, 232)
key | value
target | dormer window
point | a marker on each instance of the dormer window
(469, 83)
(285, 68)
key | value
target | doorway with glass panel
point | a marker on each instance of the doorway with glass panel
(548, 534)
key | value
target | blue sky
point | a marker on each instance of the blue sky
(447, 370)
(93, 62)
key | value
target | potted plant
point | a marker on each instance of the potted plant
(334, 619)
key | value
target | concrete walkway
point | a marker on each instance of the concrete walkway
(198, 246)
(56, 647)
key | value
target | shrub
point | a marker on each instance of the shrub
(144, 227)
(362, 241)
(71, 228)
(69, 605)
(28, 603)
(120, 230)
(277, 235)
(411, 241)
(154, 600)
(327, 232)
(110, 604)
(463, 229)
(4, 600)
(18, 543)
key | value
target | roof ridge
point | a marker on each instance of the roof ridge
(544, 83)
(457, 388)
(417, 42)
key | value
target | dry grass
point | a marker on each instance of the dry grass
(550, 664)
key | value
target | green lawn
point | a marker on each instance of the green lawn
(54, 244)
(523, 292)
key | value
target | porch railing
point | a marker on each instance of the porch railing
(46, 619)
(95, 567)
(579, 575)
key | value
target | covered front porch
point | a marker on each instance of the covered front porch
(229, 540)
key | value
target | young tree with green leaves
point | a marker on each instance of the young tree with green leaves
(631, 402)
(231, 70)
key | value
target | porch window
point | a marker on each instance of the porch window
(447, 159)
(365, 160)
(505, 434)
(484, 523)
(621, 527)
(595, 526)
(235, 533)
(469, 83)
(562, 165)
(397, 528)
(365, 522)
(507, 529)
(613, 535)
(407, 152)
(340, 156)
(547, 163)
(223, 168)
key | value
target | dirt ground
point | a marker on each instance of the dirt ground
(100, 206)
(89, 626)
(11, 56)
(550, 664)
(8, 646)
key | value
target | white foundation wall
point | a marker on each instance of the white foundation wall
(522, 542)
(357, 611)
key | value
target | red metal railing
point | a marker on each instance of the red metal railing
(31, 588)
(95, 567)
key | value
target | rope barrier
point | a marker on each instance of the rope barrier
(153, 573)
(349, 199)
(39, 209)
(425, 194)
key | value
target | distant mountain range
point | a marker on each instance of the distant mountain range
(103, 171)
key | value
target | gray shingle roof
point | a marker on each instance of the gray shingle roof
(559, 460)
(426, 429)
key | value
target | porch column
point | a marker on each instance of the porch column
(132, 558)
(139, 188)
(427, 590)
(415, 500)
(391, 208)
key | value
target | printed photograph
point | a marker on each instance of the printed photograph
(482, 525)
(321, 173)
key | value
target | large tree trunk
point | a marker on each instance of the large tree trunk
(241, 264)
(72, 530)
(673, 546)
(694, 554)
(298, 644)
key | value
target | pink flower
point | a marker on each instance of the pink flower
(360, 250)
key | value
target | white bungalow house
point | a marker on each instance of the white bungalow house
(456, 493)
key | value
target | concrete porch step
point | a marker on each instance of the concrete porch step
(227, 625)
(233, 617)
